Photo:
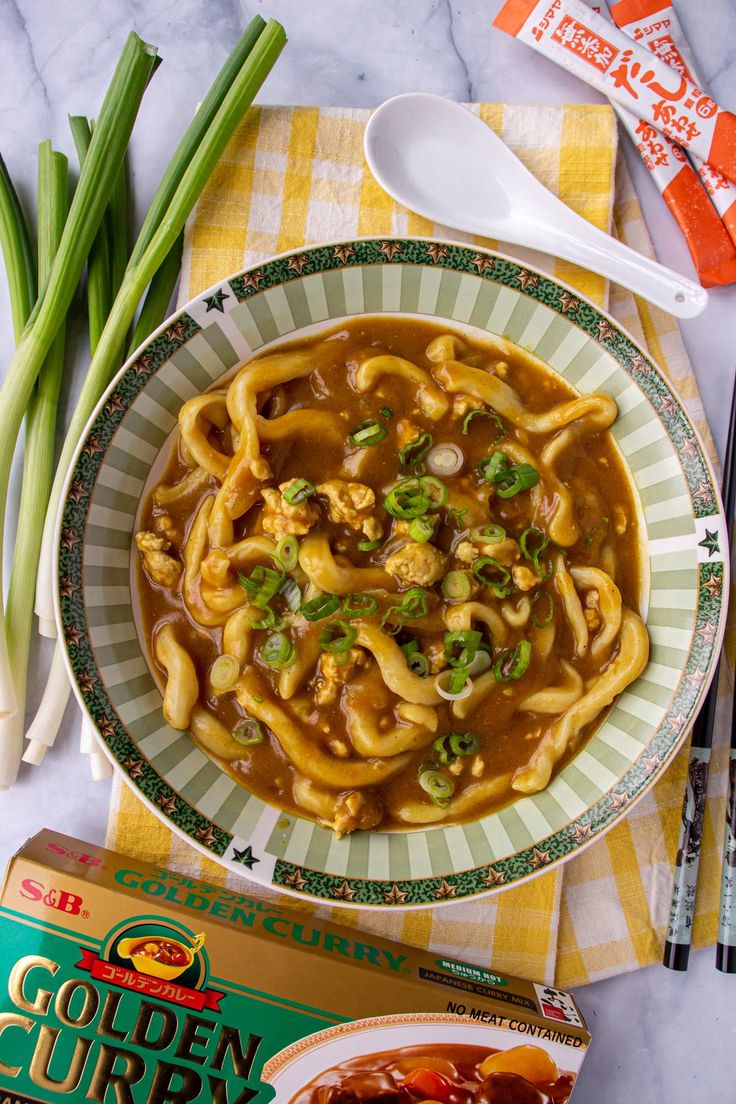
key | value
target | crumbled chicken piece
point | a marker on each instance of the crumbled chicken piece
(162, 568)
(456, 767)
(505, 551)
(406, 432)
(215, 567)
(351, 504)
(477, 767)
(620, 521)
(467, 552)
(333, 674)
(357, 809)
(501, 369)
(281, 518)
(164, 524)
(524, 578)
(417, 564)
(413, 713)
(592, 611)
(435, 653)
(463, 404)
(339, 748)
(261, 469)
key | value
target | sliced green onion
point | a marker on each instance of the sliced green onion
(512, 663)
(533, 542)
(407, 499)
(369, 546)
(491, 467)
(456, 586)
(453, 684)
(491, 573)
(368, 433)
(224, 673)
(278, 651)
(292, 595)
(359, 605)
(461, 646)
(541, 621)
(286, 554)
(249, 731)
(422, 529)
(435, 490)
(416, 450)
(386, 412)
(456, 514)
(488, 534)
(445, 460)
(270, 620)
(480, 662)
(441, 746)
(415, 603)
(337, 637)
(261, 586)
(392, 621)
(299, 490)
(322, 606)
(418, 664)
(596, 532)
(439, 787)
(514, 480)
(466, 744)
(500, 429)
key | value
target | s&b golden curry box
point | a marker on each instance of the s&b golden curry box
(125, 983)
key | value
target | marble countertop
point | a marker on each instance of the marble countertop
(658, 1036)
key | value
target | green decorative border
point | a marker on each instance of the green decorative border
(202, 831)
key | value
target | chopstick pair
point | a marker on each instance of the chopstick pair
(682, 907)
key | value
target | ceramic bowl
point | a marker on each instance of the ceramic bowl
(303, 292)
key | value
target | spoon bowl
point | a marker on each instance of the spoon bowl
(437, 158)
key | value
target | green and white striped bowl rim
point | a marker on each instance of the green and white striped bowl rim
(220, 329)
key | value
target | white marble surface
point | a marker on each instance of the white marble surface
(660, 1037)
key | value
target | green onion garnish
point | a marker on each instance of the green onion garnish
(453, 746)
(436, 491)
(491, 573)
(422, 529)
(392, 621)
(386, 412)
(541, 621)
(500, 429)
(416, 661)
(278, 651)
(456, 514)
(461, 646)
(224, 673)
(458, 678)
(439, 787)
(492, 466)
(299, 490)
(291, 594)
(533, 542)
(270, 620)
(416, 450)
(488, 534)
(415, 603)
(520, 478)
(286, 554)
(369, 546)
(512, 663)
(359, 605)
(368, 433)
(249, 731)
(407, 499)
(456, 586)
(337, 637)
(261, 586)
(321, 606)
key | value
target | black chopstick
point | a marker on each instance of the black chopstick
(682, 907)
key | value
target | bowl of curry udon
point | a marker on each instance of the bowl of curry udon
(391, 573)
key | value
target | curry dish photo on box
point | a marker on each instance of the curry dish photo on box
(390, 576)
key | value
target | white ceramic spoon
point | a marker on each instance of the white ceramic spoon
(439, 159)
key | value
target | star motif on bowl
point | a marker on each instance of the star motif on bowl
(69, 539)
(77, 490)
(483, 263)
(618, 800)
(668, 407)
(540, 857)
(114, 405)
(688, 448)
(67, 587)
(134, 767)
(143, 364)
(494, 877)
(74, 636)
(93, 445)
(344, 892)
(167, 804)
(707, 632)
(86, 682)
(343, 252)
(568, 302)
(437, 252)
(580, 832)
(245, 857)
(297, 263)
(714, 586)
(175, 332)
(711, 542)
(605, 330)
(527, 279)
(703, 493)
(650, 763)
(295, 881)
(389, 249)
(695, 678)
(206, 835)
(640, 364)
(215, 301)
(106, 728)
(253, 279)
(394, 896)
(678, 721)
(445, 890)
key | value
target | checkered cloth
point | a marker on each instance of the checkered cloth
(296, 175)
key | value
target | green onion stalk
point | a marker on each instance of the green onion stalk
(106, 151)
(39, 443)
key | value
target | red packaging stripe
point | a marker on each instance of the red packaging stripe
(629, 11)
(711, 248)
(513, 15)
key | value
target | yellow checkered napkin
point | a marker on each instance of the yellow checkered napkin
(296, 175)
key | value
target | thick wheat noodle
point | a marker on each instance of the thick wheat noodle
(305, 752)
(516, 611)
(461, 618)
(243, 558)
(193, 483)
(182, 685)
(609, 605)
(209, 408)
(476, 795)
(392, 663)
(556, 699)
(314, 799)
(307, 655)
(334, 577)
(626, 666)
(262, 375)
(429, 397)
(369, 741)
(543, 638)
(302, 422)
(193, 553)
(238, 632)
(562, 527)
(212, 735)
(571, 604)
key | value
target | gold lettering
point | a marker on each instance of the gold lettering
(43, 1056)
(16, 983)
(105, 1077)
(162, 1091)
(11, 1019)
(106, 1025)
(242, 1060)
(65, 996)
(190, 1037)
(220, 1095)
(166, 1028)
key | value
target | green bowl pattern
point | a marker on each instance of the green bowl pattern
(686, 604)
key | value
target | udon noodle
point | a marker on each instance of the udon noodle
(390, 576)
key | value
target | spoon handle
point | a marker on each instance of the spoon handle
(574, 239)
